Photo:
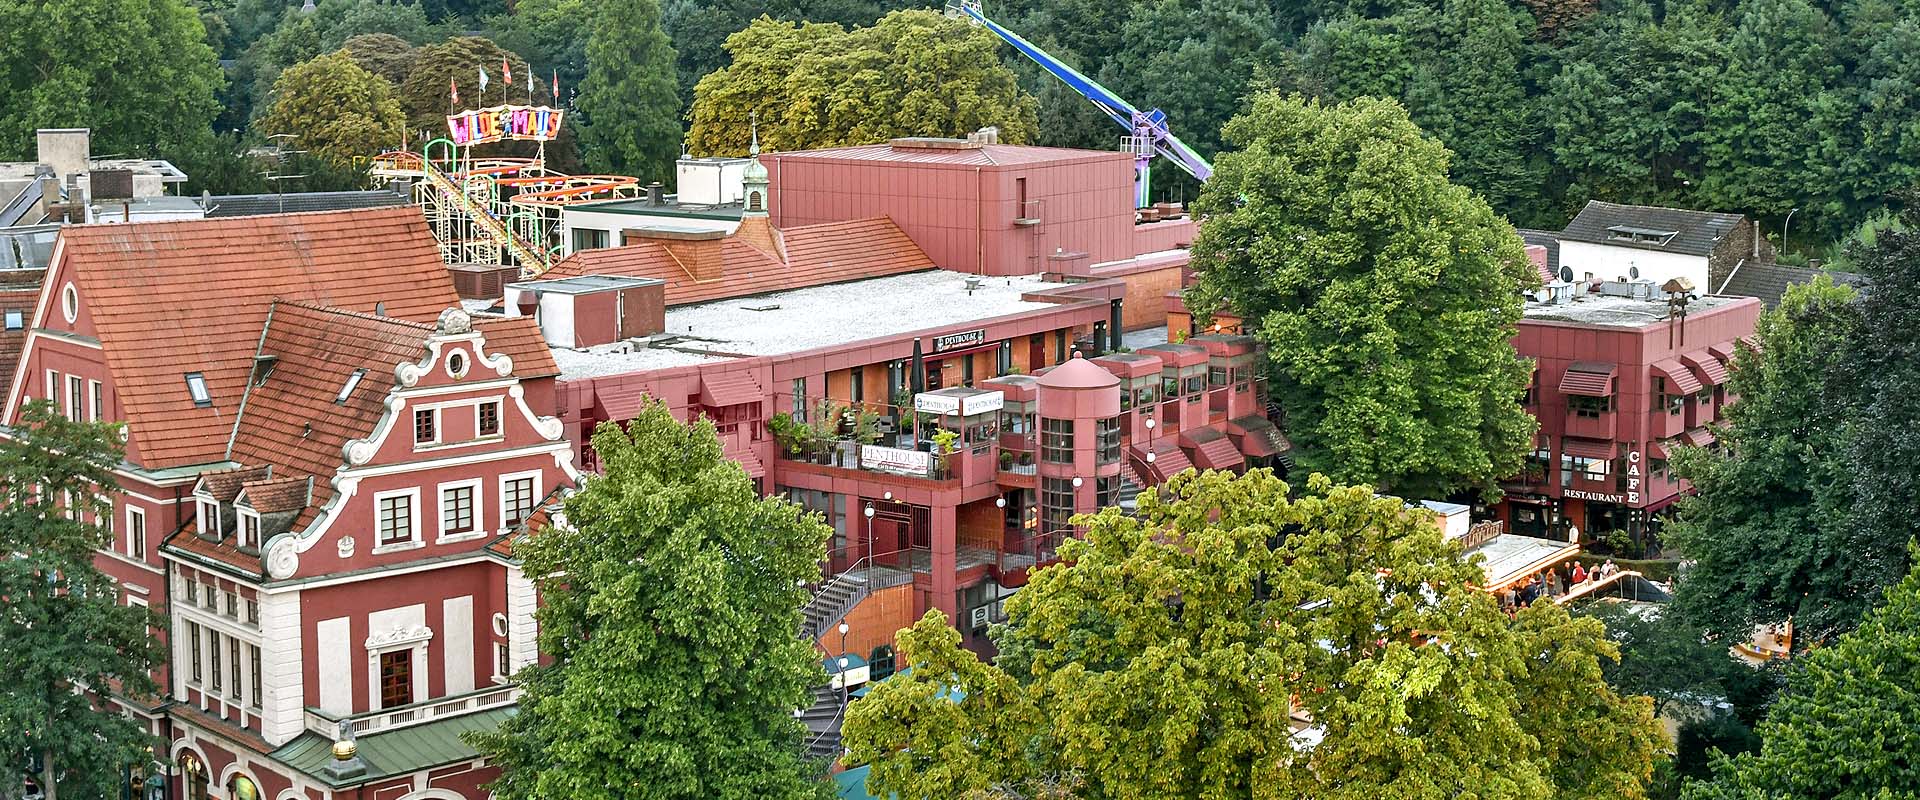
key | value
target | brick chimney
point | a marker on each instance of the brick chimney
(699, 252)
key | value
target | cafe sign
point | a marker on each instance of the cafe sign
(917, 463)
(1632, 495)
(955, 341)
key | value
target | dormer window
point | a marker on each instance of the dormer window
(197, 389)
(209, 517)
(1629, 233)
(353, 381)
(249, 529)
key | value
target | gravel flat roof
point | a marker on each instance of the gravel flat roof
(1617, 312)
(806, 319)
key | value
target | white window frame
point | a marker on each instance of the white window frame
(502, 652)
(96, 401)
(413, 511)
(413, 427)
(499, 420)
(241, 516)
(536, 475)
(479, 489)
(136, 521)
(52, 380)
(416, 648)
(204, 507)
(76, 400)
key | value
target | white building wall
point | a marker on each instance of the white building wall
(615, 222)
(1609, 263)
(283, 685)
(522, 630)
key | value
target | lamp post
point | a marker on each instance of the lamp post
(1787, 227)
(844, 695)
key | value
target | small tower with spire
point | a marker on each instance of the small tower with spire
(753, 179)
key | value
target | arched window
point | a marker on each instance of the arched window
(753, 201)
(241, 787)
(193, 776)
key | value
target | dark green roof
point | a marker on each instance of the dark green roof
(395, 752)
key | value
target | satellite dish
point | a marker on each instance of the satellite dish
(1633, 272)
(1566, 274)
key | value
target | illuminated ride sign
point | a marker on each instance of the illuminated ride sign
(522, 123)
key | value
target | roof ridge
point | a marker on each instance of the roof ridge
(347, 312)
(113, 230)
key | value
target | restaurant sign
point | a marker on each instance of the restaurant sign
(483, 125)
(1632, 495)
(965, 405)
(917, 463)
(955, 341)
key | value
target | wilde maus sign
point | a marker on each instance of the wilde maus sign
(522, 123)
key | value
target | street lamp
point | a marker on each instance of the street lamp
(1000, 502)
(1787, 227)
(1077, 481)
(868, 512)
(845, 696)
(1150, 456)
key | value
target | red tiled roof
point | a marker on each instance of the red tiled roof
(291, 419)
(812, 255)
(1714, 372)
(15, 297)
(1677, 376)
(519, 338)
(277, 495)
(222, 552)
(225, 484)
(170, 298)
(1588, 378)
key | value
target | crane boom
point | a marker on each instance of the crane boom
(1149, 132)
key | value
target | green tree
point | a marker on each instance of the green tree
(336, 110)
(139, 73)
(629, 100)
(1663, 657)
(815, 85)
(1767, 529)
(1471, 97)
(699, 28)
(1170, 654)
(1845, 728)
(65, 640)
(382, 54)
(424, 97)
(552, 34)
(1885, 381)
(669, 606)
(1386, 296)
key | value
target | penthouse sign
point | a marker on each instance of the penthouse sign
(520, 123)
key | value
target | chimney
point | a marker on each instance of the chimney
(65, 149)
(656, 194)
(698, 252)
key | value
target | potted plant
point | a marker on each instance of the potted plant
(790, 434)
(1006, 460)
(943, 440)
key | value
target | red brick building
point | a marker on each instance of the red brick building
(1619, 380)
(321, 450)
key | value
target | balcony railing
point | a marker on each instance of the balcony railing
(387, 719)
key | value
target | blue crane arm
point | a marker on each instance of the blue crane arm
(1111, 104)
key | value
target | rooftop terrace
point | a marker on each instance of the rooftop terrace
(807, 319)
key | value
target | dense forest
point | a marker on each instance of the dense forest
(1756, 106)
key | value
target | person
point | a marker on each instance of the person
(1579, 574)
(1608, 568)
(1555, 586)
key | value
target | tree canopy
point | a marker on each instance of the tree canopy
(1767, 528)
(382, 54)
(336, 110)
(1386, 296)
(670, 606)
(1845, 728)
(138, 73)
(629, 99)
(816, 85)
(65, 638)
(1173, 653)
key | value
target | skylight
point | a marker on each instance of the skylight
(352, 381)
(197, 389)
(15, 319)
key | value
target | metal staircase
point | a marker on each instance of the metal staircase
(822, 720)
(532, 262)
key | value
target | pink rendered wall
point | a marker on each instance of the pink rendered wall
(963, 216)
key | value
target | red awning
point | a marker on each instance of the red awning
(1710, 368)
(1657, 449)
(1587, 448)
(1752, 341)
(734, 388)
(1724, 351)
(1168, 460)
(1216, 451)
(748, 461)
(1256, 437)
(621, 403)
(1698, 437)
(1588, 378)
(1680, 380)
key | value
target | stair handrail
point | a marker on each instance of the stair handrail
(820, 590)
(531, 263)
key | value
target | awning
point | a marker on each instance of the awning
(1216, 451)
(1257, 437)
(720, 389)
(1752, 341)
(1588, 378)
(1168, 460)
(1724, 351)
(1679, 379)
(620, 404)
(1657, 449)
(1710, 368)
(1587, 448)
(748, 461)
(1698, 437)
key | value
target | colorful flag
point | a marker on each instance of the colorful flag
(556, 85)
(454, 88)
(506, 71)
(529, 84)
(483, 79)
